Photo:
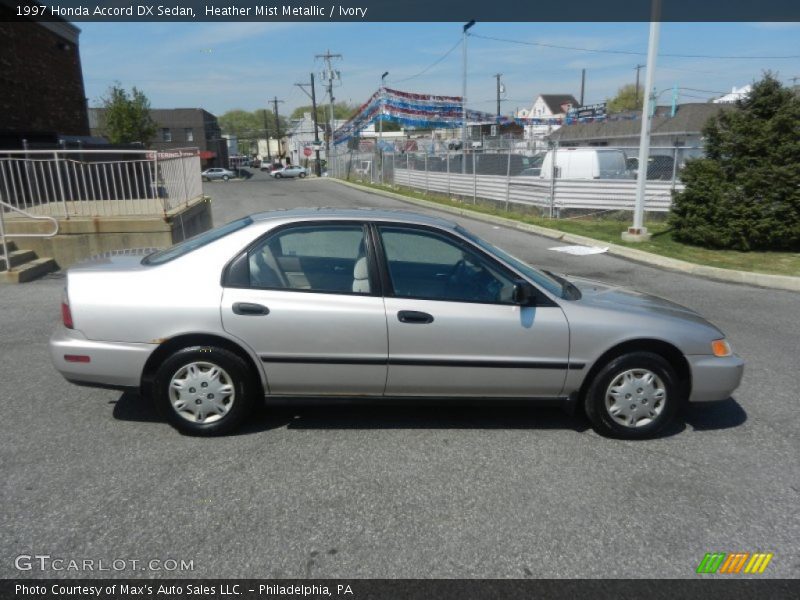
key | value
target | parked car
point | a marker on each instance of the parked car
(218, 173)
(377, 304)
(585, 163)
(256, 163)
(289, 171)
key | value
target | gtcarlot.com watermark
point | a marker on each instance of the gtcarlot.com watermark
(48, 563)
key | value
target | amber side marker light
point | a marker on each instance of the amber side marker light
(721, 348)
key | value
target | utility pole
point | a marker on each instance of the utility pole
(467, 26)
(330, 75)
(499, 87)
(637, 232)
(583, 83)
(277, 125)
(637, 67)
(313, 96)
(266, 135)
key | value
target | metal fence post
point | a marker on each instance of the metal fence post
(508, 180)
(674, 165)
(474, 181)
(7, 266)
(554, 171)
(61, 185)
(183, 178)
(408, 172)
(426, 172)
(448, 172)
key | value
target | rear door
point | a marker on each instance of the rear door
(307, 300)
(453, 327)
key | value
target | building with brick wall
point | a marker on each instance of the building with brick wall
(42, 97)
(179, 128)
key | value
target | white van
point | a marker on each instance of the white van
(585, 163)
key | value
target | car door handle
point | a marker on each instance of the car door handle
(249, 309)
(413, 316)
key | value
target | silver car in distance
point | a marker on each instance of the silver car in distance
(377, 304)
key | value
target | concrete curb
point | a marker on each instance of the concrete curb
(778, 282)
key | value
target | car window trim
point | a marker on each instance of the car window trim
(542, 299)
(374, 278)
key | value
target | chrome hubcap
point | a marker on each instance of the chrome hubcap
(636, 397)
(201, 392)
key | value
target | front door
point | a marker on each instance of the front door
(454, 329)
(311, 310)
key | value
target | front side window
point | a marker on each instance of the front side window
(317, 258)
(427, 265)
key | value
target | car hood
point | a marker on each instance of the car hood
(605, 295)
(116, 260)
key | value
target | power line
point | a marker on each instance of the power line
(631, 52)
(430, 66)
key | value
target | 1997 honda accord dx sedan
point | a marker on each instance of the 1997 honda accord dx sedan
(376, 304)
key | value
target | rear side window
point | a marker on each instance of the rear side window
(193, 243)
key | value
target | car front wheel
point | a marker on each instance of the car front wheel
(204, 390)
(277, 175)
(634, 396)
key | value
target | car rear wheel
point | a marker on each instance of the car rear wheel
(634, 396)
(301, 175)
(204, 390)
(225, 178)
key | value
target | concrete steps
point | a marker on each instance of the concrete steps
(25, 265)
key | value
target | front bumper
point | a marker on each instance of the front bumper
(714, 378)
(111, 364)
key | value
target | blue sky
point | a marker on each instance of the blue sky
(222, 66)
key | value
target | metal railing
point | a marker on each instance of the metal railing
(65, 183)
(5, 206)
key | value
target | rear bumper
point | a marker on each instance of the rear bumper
(111, 364)
(714, 378)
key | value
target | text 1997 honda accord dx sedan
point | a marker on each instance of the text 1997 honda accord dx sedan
(377, 304)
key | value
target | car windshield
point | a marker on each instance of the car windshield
(548, 282)
(193, 243)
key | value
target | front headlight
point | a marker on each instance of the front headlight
(721, 348)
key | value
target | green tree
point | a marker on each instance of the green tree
(341, 110)
(745, 194)
(250, 125)
(126, 118)
(626, 99)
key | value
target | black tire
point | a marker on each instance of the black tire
(225, 178)
(206, 179)
(277, 176)
(611, 426)
(301, 175)
(246, 387)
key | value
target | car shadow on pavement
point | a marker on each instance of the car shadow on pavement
(713, 416)
(312, 413)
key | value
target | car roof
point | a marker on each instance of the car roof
(359, 214)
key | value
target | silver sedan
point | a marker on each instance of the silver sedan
(381, 305)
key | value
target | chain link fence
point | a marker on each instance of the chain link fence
(555, 180)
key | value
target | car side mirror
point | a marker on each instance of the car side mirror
(524, 293)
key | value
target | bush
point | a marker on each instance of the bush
(745, 195)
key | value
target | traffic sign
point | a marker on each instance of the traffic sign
(307, 151)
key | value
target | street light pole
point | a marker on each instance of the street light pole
(467, 26)
(637, 232)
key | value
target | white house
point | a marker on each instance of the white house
(546, 106)
(736, 94)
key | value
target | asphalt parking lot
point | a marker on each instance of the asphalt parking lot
(358, 492)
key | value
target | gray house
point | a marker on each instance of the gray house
(684, 129)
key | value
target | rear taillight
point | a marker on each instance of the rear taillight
(66, 313)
